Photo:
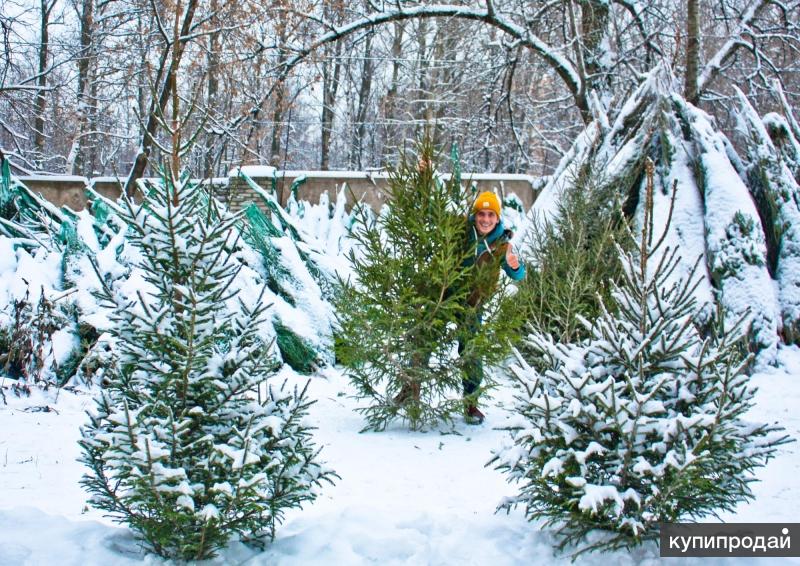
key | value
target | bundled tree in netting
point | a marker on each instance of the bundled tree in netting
(189, 443)
(572, 259)
(400, 321)
(771, 151)
(714, 215)
(641, 423)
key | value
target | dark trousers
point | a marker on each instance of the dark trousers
(472, 363)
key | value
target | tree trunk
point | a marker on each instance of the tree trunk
(170, 59)
(445, 79)
(212, 88)
(277, 119)
(360, 129)
(142, 95)
(691, 92)
(390, 101)
(80, 162)
(421, 107)
(176, 116)
(594, 25)
(330, 86)
(280, 102)
(40, 102)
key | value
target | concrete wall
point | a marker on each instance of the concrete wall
(367, 186)
(372, 187)
(70, 191)
(60, 191)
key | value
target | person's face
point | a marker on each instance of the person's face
(485, 221)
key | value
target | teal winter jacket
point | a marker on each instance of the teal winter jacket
(489, 255)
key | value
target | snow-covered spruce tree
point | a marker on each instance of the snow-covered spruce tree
(641, 423)
(736, 250)
(784, 131)
(776, 193)
(400, 320)
(188, 443)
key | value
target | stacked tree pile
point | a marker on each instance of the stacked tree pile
(736, 213)
(53, 327)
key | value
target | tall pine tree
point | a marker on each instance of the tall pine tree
(642, 422)
(189, 443)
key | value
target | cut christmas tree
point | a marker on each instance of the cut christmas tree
(402, 316)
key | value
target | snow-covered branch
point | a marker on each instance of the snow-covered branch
(736, 40)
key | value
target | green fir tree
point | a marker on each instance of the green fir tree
(572, 260)
(190, 444)
(400, 320)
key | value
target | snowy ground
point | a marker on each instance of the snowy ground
(404, 497)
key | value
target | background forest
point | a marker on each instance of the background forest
(102, 87)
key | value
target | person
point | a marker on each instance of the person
(489, 244)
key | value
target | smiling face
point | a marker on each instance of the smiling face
(485, 221)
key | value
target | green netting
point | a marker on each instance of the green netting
(271, 203)
(105, 223)
(259, 222)
(296, 184)
(12, 230)
(7, 208)
(262, 223)
(72, 246)
(5, 168)
(100, 215)
(296, 352)
(513, 202)
(287, 227)
(26, 215)
(100, 211)
(456, 161)
(258, 233)
(39, 215)
(69, 236)
(273, 206)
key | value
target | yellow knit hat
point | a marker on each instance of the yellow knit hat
(487, 201)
